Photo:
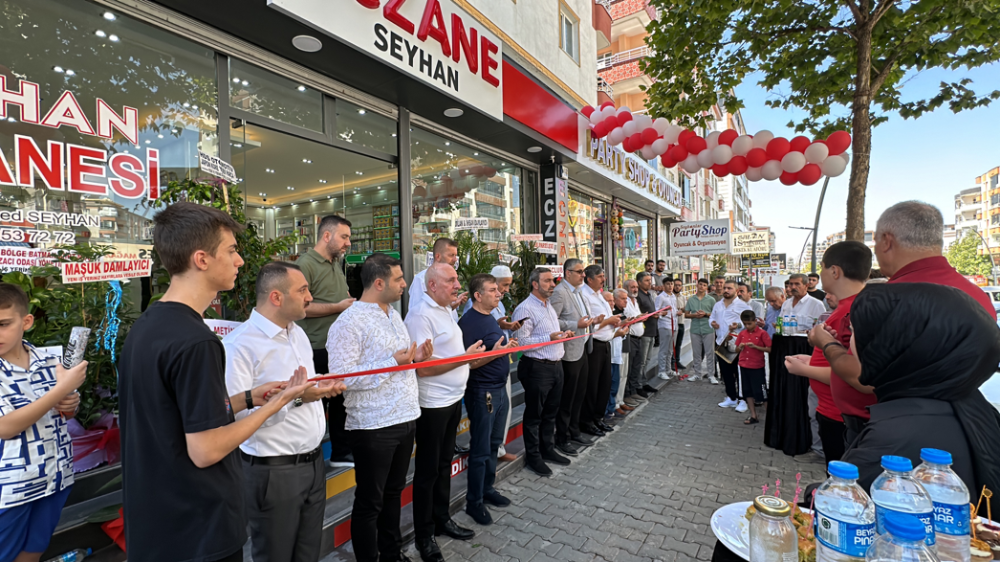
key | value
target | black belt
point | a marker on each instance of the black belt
(855, 424)
(304, 458)
(546, 361)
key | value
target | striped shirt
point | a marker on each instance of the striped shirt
(540, 322)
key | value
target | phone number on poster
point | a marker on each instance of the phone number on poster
(36, 236)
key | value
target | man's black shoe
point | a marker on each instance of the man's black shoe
(494, 498)
(642, 392)
(679, 367)
(539, 468)
(582, 439)
(479, 514)
(452, 529)
(429, 550)
(649, 389)
(460, 450)
(555, 457)
(591, 429)
(567, 449)
(604, 427)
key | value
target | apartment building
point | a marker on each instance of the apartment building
(832, 239)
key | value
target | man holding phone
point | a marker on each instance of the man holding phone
(698, 308)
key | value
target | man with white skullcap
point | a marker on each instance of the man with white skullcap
(504, 279)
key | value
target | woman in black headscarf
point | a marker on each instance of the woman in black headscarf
(926, 349)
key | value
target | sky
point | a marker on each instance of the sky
(929, 159)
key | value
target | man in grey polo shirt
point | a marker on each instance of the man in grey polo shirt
(324, 270)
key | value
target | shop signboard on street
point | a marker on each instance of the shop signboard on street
(471, 224)
(555, 210)
(699, 238)
(107, 270)
(753, 242)
(778, 261)
(755, 261)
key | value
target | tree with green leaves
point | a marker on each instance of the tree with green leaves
(720, 264)
(964, 256)
(845, 63)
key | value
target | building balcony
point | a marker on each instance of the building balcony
(602, 23)
(622, 57)
(626, 77)
(630, 17)
(708, 191)
(605, 92)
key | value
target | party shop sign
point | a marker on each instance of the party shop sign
(699, 238)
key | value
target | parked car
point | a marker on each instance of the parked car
(994, 293)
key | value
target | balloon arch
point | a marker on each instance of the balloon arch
(760, 157)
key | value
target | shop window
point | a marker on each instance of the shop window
(266, 94)
(569, 32)
(136, 103)
(587, 223)
(451, 182)
(635, 245)
(366, 128)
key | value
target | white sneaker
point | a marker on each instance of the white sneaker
(693, 378)
(713, 380)
(728, 403)
(664, 376)
(741, 407)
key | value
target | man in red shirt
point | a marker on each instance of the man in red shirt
(752, 343)
(842, 408)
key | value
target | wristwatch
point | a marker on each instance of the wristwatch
(249, 397)
(297, 402)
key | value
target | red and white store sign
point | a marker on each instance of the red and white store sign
(69, 167)
(434, 41)
(107, 270)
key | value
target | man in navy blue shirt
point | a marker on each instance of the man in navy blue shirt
(486, 399)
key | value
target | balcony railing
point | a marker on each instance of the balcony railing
(624, 56)
(603, 86)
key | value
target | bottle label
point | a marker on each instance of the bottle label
(951, 519)
(852, 539)
(926, 518)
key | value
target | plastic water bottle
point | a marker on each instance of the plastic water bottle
(795, 325)
(72, 556)
(786, 325)
(896, 490)
(951, 504)
(902, 542)
(844, 517)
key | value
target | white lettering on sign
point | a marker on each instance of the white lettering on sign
(471, 224)
(634, 169)
(434, 41)
(217, 167)
(32, 217)
(108, 270)
(699, 238)
(753, 242)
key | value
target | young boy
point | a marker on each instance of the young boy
(36, 458)
(752, 343)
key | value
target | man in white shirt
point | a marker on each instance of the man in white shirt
(743, 292)
(282, 461)
(382, 409)
(617, 300)
(679, 333)
(441, 390)
(806, 309)
(599, 357)
(667, 324)
(725, 320)
(445, 251)
(630, 344)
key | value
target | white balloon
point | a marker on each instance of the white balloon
(616, 136)
(624, 108)
(690, 164)
(673, 131)
(648, 153)
(817, 152)
(742, 145)
(754, 174)
(705, 158)
(595, 117)
(793, 162)
(761, 139)
(660, 146)
(661, 125)
(833, 167)
(722, 154)
(771, 170)
(630, 128)
(645, 121)
(712, 140)
(846, 157)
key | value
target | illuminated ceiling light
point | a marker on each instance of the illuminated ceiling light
(475, 154)
(100, 33)
(245, 83)
(148, 141)
(359, 173)
(159, 136)
(57, 68)
(307, 161)
(328, 196)
(109, 16)
(194, 107)
(311, 201)
(534, 149)
(12, 120)
(307, 43)
(290, 188)
(113, 37)
(69, 72)
(446, 143)
(453, 112)
(322, 181)
(301, 88)
(186, 104)
(236, 80)
(394, 135)
(239, 145)
(361, 112)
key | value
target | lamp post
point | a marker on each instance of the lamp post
(806, 242)
(993, 262)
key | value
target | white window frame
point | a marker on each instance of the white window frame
(566, 14)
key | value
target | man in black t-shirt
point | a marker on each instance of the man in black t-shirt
(814, 291)
(182, 480)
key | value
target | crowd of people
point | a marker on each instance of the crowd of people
(221, 437)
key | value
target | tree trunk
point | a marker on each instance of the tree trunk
(861, 133)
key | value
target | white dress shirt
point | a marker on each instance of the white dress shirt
(540, 322)
(257, 352)
(364, 337)
(632, 311)
(431, 321)
(598, 305)
(806, 312)
(668, 322)
(725, 316)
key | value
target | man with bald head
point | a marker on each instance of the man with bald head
(441, 390)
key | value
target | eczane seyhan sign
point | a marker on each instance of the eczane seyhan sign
(699, 238)
(434, 41)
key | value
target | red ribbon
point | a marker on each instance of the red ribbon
(468, 358)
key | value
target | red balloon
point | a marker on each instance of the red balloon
(757, 157)
(810, 174)
(777, 148)
(738, 165)
(587, 110)
(597, 131)
(799, 144)
(788, 178)
(624, 117)
(636, 141)
(627, 144)
(696, 144)
(665, 159)
(678, 153)
(685, 135)
(607, 104)
(720, 170)
(838, 142)
(649, 135)
(728, 136)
